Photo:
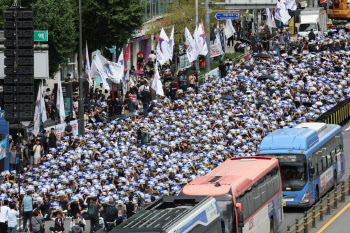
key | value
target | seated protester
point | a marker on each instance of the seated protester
(77, 222)
(76, 226)
(59, 224)
(38, 221)
(110, 213)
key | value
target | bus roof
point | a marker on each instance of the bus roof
(235, 174)
(302, 137)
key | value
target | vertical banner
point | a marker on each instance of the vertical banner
(3, 148)
(292, 25)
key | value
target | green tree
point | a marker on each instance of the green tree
(182, 14)
(59, 18)
(111, 22)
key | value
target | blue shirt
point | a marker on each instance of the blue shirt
(28, 203)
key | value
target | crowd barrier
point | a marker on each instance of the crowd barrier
(315, 214)
(339, 114)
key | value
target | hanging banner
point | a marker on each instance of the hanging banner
(3, 148)
(184, 62)
(59, 129)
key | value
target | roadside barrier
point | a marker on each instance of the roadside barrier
(339, 114)
(324, 206)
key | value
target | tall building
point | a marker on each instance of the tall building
(140, 44)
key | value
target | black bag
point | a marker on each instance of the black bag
(92, 211)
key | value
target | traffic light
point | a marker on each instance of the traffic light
(19, 65)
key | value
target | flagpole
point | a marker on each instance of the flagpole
(81, 96)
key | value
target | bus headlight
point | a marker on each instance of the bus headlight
(306, 198)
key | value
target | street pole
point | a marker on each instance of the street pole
(197, 60)
(207, 29)
(81, 96)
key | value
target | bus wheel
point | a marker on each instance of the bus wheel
(317, 195)
(335, 183)
(272, 226)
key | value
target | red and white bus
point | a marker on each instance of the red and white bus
(248, 192)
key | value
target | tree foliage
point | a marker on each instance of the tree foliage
(182, 14)
(105, 23)
(111, 22)
(59, 18)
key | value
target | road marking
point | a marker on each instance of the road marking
(347, 129)
(334, 218)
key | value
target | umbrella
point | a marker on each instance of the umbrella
(139, 72)
(263, 55)
(227, 97)
(264, 77)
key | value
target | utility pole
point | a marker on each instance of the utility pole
(207, 29)
(197, 60)
(80, 59)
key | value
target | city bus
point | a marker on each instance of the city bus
(248, 192)
(311, 160)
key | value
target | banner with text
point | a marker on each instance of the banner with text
(59, 129)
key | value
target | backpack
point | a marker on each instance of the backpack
(77, 229)
(92, 211)
(146, 94)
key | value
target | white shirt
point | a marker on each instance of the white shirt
(37, 149)
(3, 213)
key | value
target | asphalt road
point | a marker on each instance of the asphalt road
(339, 223)
(290, 214)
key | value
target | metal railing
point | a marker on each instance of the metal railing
(339, 114)
(324, 206)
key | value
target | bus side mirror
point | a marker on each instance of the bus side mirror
(240, 215)
(239, 207)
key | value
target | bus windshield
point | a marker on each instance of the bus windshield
(227, 214)
(293, 171)
(306, 27)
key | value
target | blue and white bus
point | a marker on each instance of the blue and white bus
(311, 160)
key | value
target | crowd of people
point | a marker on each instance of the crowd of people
(120, 166)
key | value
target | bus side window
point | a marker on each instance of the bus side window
(339, 142)
(314, 163)
(263, 189)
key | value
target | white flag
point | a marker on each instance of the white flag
(270, 19)
(60, 100)
(157, 83)
(42, 103)
(199, 37)
(281, 12)
(291, 4)
(103, 65)
(87, 66)
(171, 45)
(121, 58)
(97, 73)
(163, 48)
(191, 45)
(117, 71)
(229, 29)
(37, 113)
